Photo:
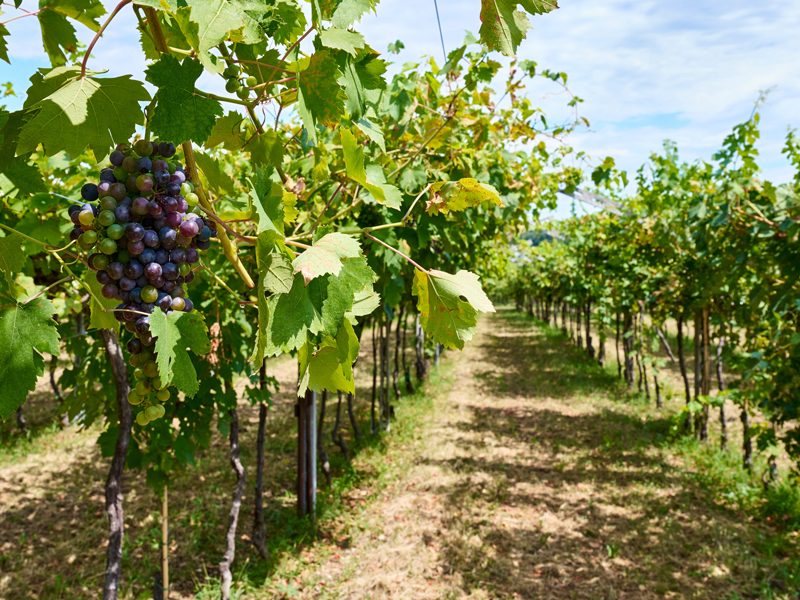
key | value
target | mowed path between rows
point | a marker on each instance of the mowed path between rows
(534, 478)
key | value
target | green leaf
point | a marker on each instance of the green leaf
(175, 334)
(180, 113)
(58, 36)
(449, 305)
(12, 258)
(93, 112)
(296, 314)
(503, 26)
(320, 99)
(217, 178)
(85, 12)
(372, 178)
(267, 198)
(331, 366)
(326, 255)
(220, 20)
(350, 11)
(354, 277)
(372, 131)
(227, 131)
(4, 43)
(364, 303)
(22, 175)
(456, 196)
(100, 315)
(27, 331)
(267, 149)
(342, 39)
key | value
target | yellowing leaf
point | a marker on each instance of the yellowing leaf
(456, 196)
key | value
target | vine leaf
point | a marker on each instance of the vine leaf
(180, 113)
(350, 11)
(70, 113)
(227, 131)
(175, 333)
(58, 34)
(296, 314)
(342, 39)
(503, 26)
(28, 331)
(320, 98)
(22, 175)
(457, 196)
(100, 317)
(220, 20)
(4, 43)
(449, 305)
(326, 255)
(370, 178)
(12, 258)
(354, 277)
(330, 367)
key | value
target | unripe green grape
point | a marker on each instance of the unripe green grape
(191, 199)
(184, 269)
(108, 246)
(149, 294)
(142, 419)
(251, 81)
(230, 71)
(156, 383)
(137, 373)
(150, 369)
(123, 256)
(162, 395)
(232, 85)
(143, 147)
(100, 261)
(142, 388)
(86, 217)
(156, 411)
(106, 218)
(108, 203)
(120, 173)
(243, 93)
(87, 239)
(115, 231)
(134, 398)
(186, 188)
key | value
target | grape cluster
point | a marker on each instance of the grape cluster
(234, 83)
(143, 242)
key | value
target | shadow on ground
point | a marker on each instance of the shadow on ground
(565, 491)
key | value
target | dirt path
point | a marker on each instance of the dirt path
(532, 481)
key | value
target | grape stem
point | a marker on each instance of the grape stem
(396, 251)
(46, 289)
(228, 247)
(99, 34)
(219, 280)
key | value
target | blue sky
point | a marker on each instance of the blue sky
(647, 69)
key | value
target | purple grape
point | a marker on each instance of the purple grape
(139, 206)
(168, 238)
(183, 241)
(130, 184)
(110, 290)
(173, 189)
(129, 164)
(178, 177)
(159, 164)
(151, 239)
(173, 219)
(178, 292)
(126, 284)
(148, 256)
(164, 302)
(75, 234)
(159, 282)
(116, 158)
(189, 228)
(170, 271)
(170, 204)
(178, 256)
(103, 277)
(192, 256)
(134, 346)
(106, 176)
(135, 248)
(144, 164)
(89, 192)
(129, 317)
(122, 213)
(118, 191)
(143, 324)
(134, 269)
(167, 286)
(183, 206)
(142, 281)
(166, 149)
(203, 245)
(162, 256)
(134, 232)
(162, 177)
(189, 305)
(145, 183)
(152, 271)
(135, 294)
(115, 270)
(154, 209)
